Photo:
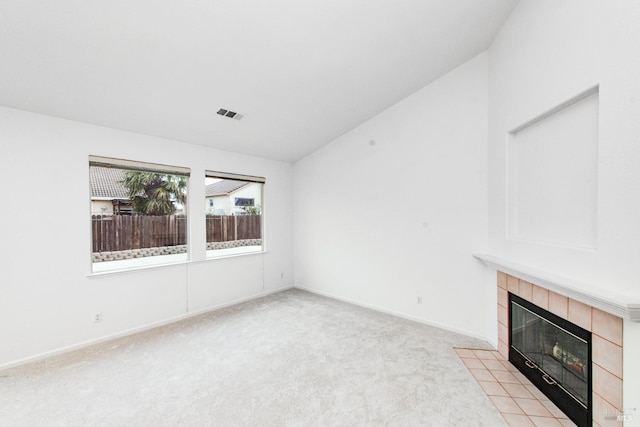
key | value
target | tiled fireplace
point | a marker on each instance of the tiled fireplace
(606, 340)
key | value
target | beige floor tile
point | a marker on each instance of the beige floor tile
(545, 422)
(555, 411)
(518, 390)
(497, 355)
(506, 405)
(464, 352)
(472, 363)
(533, 407)
(518, 420)
(493, 365)
(509, 366)
(505, 377)
(482, 374)
(536, 392)
(484, 354)
(517, 399)
(493, 388)
(520, 376)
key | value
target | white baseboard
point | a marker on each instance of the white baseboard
(398, 314)
(184, 316)
(136, 330)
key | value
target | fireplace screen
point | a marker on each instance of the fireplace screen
(554, 354)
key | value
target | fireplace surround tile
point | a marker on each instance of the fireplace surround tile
(503, 349)
(503, 315)
(502, 280)
(607, 351)
(503, 297)
(503, 333)
(607, 326)
(540, 297)
(525, 290)
(558, 305)
(607, 385)
(602, 412)
(512, 284)
(580, 314)
(607, 355)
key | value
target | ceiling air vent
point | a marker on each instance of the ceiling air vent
(230, 114)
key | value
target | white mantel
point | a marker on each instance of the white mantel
(619, 305)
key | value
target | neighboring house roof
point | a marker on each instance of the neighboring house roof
(224, 187)
(106, 183)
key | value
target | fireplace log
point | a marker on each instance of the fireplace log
(569, 360)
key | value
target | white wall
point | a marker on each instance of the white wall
(98, 207)
(428, 156)
(548, 52)
(47, 299)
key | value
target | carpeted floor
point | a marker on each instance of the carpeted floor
(289, 359)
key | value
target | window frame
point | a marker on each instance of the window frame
(237, 251)
(136, 258)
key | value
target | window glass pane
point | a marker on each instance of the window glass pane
(233, 214)
(138, 217)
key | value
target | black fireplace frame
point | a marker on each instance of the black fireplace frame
(575, 410)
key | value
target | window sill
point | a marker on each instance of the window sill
(231, 252)
(132, 269)
(151, 266)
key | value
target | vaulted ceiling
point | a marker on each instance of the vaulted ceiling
(300, 72)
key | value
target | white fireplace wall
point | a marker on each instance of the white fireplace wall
(552, 176)
(548, 52)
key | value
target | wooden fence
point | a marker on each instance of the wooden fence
(124, 232)
(228, 228)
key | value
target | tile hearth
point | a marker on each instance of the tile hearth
(519, 401)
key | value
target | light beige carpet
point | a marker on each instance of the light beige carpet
(289, 359)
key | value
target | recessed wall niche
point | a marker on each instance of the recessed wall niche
(552, 175)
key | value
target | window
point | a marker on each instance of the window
(240, 201)
(138, 215)
(235, 225)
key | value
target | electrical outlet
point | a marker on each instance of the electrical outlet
(97, 318)
(418, 300)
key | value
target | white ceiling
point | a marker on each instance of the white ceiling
(303, 72)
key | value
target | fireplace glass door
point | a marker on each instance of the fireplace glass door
(553, 351)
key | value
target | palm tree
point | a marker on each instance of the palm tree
(155, 193)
